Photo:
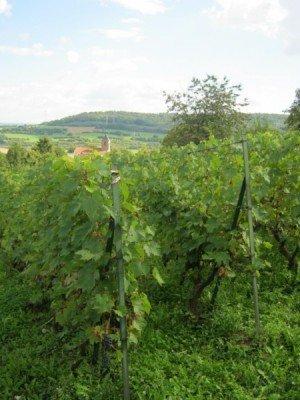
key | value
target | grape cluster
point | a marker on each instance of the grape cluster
(107, 342)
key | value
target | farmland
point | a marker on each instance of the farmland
(177, 205)
(126, 130)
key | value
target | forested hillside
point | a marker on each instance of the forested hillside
(130, 121)
(145, 122)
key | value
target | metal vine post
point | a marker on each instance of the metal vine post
(251, 234)
(121, 280)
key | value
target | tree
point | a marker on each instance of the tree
(293, 120)
(2, 138)
(44, 145)
(209, 107)
(16, 155)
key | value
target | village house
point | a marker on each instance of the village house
(105, 148)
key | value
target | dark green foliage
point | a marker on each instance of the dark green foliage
(208, 107)
(189, 195)
(17, 155)
(272, 121)
(2, 139)
(44, 145)
(55, 220)
(293, 120)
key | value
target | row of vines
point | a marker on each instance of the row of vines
(177, 207)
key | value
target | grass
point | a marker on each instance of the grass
(25, 136)
(177, 358)
(123, 139)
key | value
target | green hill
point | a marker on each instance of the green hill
(118, 120)
(144, 122)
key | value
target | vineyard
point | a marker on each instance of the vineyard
(184, 245)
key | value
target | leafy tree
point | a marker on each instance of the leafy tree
(2, 138)
(209, 107)
(16, 155)
(44, 145)
(293, 120)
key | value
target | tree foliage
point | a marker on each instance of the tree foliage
(209, 107)
(44, 146)
(17, 155)
(293, 120)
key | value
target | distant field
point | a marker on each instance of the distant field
(24, 136)
(74, 136)
(76, 130)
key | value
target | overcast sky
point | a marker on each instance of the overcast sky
(62, 57)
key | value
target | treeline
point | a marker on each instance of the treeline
(34, 130)
(18, 155)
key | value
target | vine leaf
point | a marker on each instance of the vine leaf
(103, 303)
(157, 276)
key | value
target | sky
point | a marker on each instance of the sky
(63, 57)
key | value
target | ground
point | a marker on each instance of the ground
(177, 358)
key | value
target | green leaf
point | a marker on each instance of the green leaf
(268, 245)
(86, 278)
(103, 303)
(157, 276)
(85, 255)
(141, 304)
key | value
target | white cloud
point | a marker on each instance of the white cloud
(292, 28)
(134, 21)
(36, 50)
(108, 79)
(265, 16)
(93, 88)
(5, 7)
(64, 40)
(119, 66)
(99, 51)
(24, 36)
(118, 61)
(151, 7)
(121, 34)
(73, 56)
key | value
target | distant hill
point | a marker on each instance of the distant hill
(118, 120)
(274, 120)
(144, 122)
